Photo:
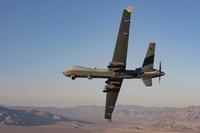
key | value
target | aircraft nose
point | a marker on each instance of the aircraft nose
(65, 73)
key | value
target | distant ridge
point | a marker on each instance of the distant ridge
(167, 118)
(31, 117)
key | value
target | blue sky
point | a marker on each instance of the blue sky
(40, 38)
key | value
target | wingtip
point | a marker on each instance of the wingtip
(129, 9)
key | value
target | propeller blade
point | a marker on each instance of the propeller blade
(159, 79)
(160, 68)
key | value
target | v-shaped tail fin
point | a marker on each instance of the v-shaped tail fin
(147, 81)
(149, 58)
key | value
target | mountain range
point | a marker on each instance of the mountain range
(168, 118)
(31, 117)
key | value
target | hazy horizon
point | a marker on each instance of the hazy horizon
(90, 105)
(39, 39)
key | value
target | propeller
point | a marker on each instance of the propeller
(160, 70)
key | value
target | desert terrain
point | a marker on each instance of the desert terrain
(89, 119)
(66, 127)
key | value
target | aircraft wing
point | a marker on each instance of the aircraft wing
(112, 88)
(120, 52)
(118, 63)
(147, 81)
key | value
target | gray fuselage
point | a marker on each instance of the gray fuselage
(85, 72)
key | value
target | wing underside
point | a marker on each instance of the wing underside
(120, 52)
(118, 64)
(112, 88)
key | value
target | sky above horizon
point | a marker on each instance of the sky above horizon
(40, 38)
